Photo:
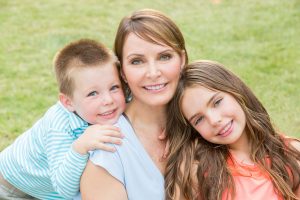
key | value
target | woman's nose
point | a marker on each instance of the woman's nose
(153, 70)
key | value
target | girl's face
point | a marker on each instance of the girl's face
(216, 115)
(151, 70)
(98, 97)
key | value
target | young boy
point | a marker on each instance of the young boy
(46, 161)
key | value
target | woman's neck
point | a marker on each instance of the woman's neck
(149, 123)
(146, 117)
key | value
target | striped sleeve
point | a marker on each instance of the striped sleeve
(65, 165)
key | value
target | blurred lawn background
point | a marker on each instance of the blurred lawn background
(258, 40)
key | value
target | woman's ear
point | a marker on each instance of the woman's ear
(66, 101)
(183, 59)
(123, 76)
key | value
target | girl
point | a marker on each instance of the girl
(222, 142)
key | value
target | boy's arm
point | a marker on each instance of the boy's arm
(65, 165)
(97, 183)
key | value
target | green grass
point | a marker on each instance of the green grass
(258, 40)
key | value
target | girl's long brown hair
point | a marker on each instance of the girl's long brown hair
(211, 177)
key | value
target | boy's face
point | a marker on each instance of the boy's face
(97, 97)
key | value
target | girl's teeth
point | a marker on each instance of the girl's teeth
(226, 129)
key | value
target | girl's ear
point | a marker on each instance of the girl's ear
(66, 101)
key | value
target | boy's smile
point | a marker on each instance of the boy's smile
(98, 97)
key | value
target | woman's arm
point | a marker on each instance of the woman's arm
(97, 183)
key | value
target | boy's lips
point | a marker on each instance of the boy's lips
(226, 130)
(108, 114)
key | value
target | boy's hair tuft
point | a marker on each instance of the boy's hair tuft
(78, 54)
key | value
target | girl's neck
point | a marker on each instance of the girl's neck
(241, 150)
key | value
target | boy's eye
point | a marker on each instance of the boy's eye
(114, 87)
(165, 57)
(94, 93)
(198, 120)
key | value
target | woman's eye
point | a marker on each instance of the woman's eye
(136, 62)
(94, 93)
(165, 57)
(198, 120)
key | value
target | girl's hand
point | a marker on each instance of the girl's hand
(95, 137)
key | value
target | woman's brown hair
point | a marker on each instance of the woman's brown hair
(211, 174)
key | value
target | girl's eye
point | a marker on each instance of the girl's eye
(218, 102)
(136, 62)
(114, 87)
(198, 120)
(164, 57)
(94, 93)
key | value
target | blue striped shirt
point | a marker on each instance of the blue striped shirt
(41, 161)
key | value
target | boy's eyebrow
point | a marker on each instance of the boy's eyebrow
(209, 101)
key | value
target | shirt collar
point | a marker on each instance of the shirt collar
(76, 124)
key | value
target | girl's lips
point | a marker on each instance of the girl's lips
(227, 130)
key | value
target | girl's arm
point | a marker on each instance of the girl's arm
(97, 183)
(296, 145)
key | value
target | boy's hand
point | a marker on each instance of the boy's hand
(95, 137)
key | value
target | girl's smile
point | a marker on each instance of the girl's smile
(216, 115)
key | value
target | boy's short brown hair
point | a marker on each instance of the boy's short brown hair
(79, 54)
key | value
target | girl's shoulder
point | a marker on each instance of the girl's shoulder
(291, 141)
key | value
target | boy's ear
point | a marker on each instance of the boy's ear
(66, 101)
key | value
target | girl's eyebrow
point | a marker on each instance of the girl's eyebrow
(209, 102)
(212, 98)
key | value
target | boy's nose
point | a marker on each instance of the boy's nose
(107, 99)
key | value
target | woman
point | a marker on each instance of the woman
(152, 53)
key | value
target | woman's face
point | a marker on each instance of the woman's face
(151, 70)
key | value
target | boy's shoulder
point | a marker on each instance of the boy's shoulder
(59, 118)
(57, 115)
(56, 110)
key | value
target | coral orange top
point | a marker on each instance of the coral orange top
(251, 183)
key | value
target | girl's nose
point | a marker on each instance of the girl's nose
(214, 118)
